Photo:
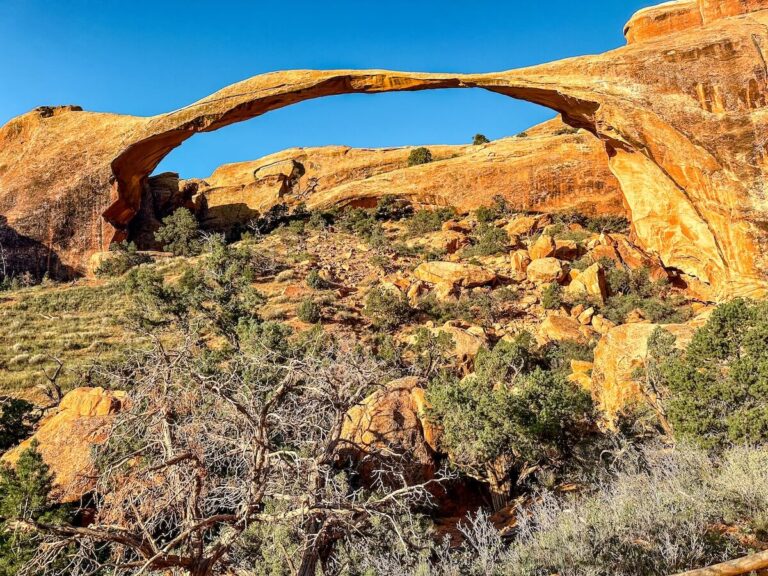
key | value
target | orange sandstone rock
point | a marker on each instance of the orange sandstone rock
(680, 113)
(66, 439)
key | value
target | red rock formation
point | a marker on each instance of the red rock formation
(67, 437)
(680, 110)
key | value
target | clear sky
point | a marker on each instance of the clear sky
(145, 57)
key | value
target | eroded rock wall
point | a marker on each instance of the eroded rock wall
(681, 112)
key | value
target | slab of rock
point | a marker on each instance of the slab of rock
(546, 271)
(557, 328)
(394, 418)
(618, 354)
(67, 437)
(457, 274)
(589, 282)
(544, 247)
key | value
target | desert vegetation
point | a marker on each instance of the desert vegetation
(252, 365)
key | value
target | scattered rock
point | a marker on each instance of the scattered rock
(464, 275)
(544, 247)
(545, 271)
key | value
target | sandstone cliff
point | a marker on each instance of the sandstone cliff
(680, 111)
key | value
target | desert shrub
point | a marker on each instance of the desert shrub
(386, 308)
(552, 296)
(511, 414)
(315, 281)
(15, 421)
(479, 139)
(308, 311)
(419, 156)
(425, 221)
(522, 134)
(180, 233)
(24, 496)
(607, 224)
(633, 289)
(566, 130)
(487, 240)
(655, 512)
(718, 387)
(390, 207)
(363, 223)
(124, 256)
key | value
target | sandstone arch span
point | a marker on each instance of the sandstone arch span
(681, 112)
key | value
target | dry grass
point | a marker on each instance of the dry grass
(78, 324)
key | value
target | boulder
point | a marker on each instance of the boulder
(467, 341)
(590, 282)
(619, 353)
(545, 271)
(66, 439)
(522, 225)
(464, 275)
(442, 241)
(519, 261)
(581, 373)
(567, 250)
(394, 418)
(557, 328)
(544, 247)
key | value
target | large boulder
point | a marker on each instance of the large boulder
(618, 355)
(556, 328)
(589, 282)
(464, 275)
(546, 270)
(66, 439)
(393, 419)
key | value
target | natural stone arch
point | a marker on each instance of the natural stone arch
(682, 116)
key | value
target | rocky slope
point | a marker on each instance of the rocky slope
(680, 111)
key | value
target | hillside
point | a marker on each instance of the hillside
(542, 354)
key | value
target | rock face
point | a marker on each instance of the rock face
(617, 355)
(66, 438)
(552, 168)
(454, 273)
(680, 110)
(394, 418)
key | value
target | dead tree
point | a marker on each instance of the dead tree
(215, 448)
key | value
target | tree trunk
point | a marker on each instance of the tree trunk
(745, 565)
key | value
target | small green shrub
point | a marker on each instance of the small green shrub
(315, 281)
(426, 221)
(309, 311)
(180, 234)
(552, 296)
(386, 308)
(480, 139)
(123, 257)
(419, 156)
(718, 387)
(488, 240)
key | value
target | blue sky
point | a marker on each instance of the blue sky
(146, 57)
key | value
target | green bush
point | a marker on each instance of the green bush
(510, 414)
(180, 234)
(426, 221)
(123, 257)
(718, 387)
(315, 281)
(479, 139)
(488, 240)
(552, 296)
(15, 421)
(309, 311)
(419, 156)
(386, 308)
(363, 223)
